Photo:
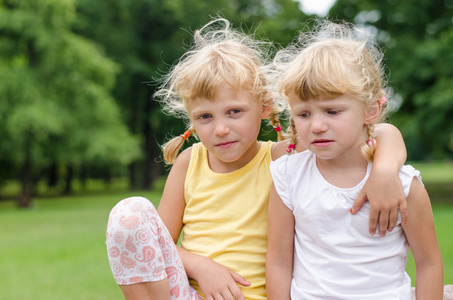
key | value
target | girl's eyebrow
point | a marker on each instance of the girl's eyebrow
(237, 105)
(333, 102)
(196, 114)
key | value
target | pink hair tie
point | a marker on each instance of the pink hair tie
(371, 142)
(290, 148)
(278, 128)
(384, 100)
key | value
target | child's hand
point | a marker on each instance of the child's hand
(386, 195)
(218, 282)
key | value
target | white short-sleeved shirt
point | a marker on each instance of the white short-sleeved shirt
(334, 255)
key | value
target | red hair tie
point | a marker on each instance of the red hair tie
(290, 148)
(278, 128)
(371, 142)
(185, 135)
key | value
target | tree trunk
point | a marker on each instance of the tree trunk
(151, 168)
(133, 182)
(25, 178)
(107, 177)
(147, 177)
(52, 175)
(68, 179)
(83, 175)
(25, 172)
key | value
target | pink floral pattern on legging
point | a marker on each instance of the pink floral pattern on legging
(140, 248)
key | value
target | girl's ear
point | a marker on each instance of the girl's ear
(373, 112)
(267, 108)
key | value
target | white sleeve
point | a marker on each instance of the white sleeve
(279, 172)
(407, 173)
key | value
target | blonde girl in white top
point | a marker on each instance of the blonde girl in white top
(334, 83)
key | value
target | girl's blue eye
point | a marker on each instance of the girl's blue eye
(333, 112)
(304, 115)
(234, 113)
(204, 117)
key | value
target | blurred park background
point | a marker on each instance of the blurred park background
(79, 130)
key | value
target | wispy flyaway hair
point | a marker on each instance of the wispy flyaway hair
(332, 60)
(218, 55)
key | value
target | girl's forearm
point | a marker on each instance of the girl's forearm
(278, 283)
(383, 189)
(190, 261)
(391, 150)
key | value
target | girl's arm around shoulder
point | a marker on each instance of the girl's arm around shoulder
(279, 258)
(383, 188)
(421, 236)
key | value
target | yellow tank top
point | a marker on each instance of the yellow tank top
(225, 217)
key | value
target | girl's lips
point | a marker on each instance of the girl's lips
(322, 143)
(225, 145)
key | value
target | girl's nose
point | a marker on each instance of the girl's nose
(221, 128)
(318, 124)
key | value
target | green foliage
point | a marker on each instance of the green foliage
(56, 91)
(77, 76)
(417, 36)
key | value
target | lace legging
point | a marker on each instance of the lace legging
(140, 248)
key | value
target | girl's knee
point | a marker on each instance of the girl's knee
(130, 215)
(134, 203)
(138, 243)
(132, 206)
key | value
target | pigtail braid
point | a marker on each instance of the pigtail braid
(292, 132)
(172, 147)
(275, 121)
(369, 147)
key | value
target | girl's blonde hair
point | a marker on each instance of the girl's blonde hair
(219, 55)
(329, 61)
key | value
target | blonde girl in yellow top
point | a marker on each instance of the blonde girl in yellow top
(218, 190)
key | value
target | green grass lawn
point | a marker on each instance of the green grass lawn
(56, 249)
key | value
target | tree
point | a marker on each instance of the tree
(55, 87)
(417, 36)
(134, 34)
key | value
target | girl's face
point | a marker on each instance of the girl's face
(228, 127)
(331, 129)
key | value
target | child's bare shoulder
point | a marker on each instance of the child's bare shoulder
(279, 149)
(183, 160)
